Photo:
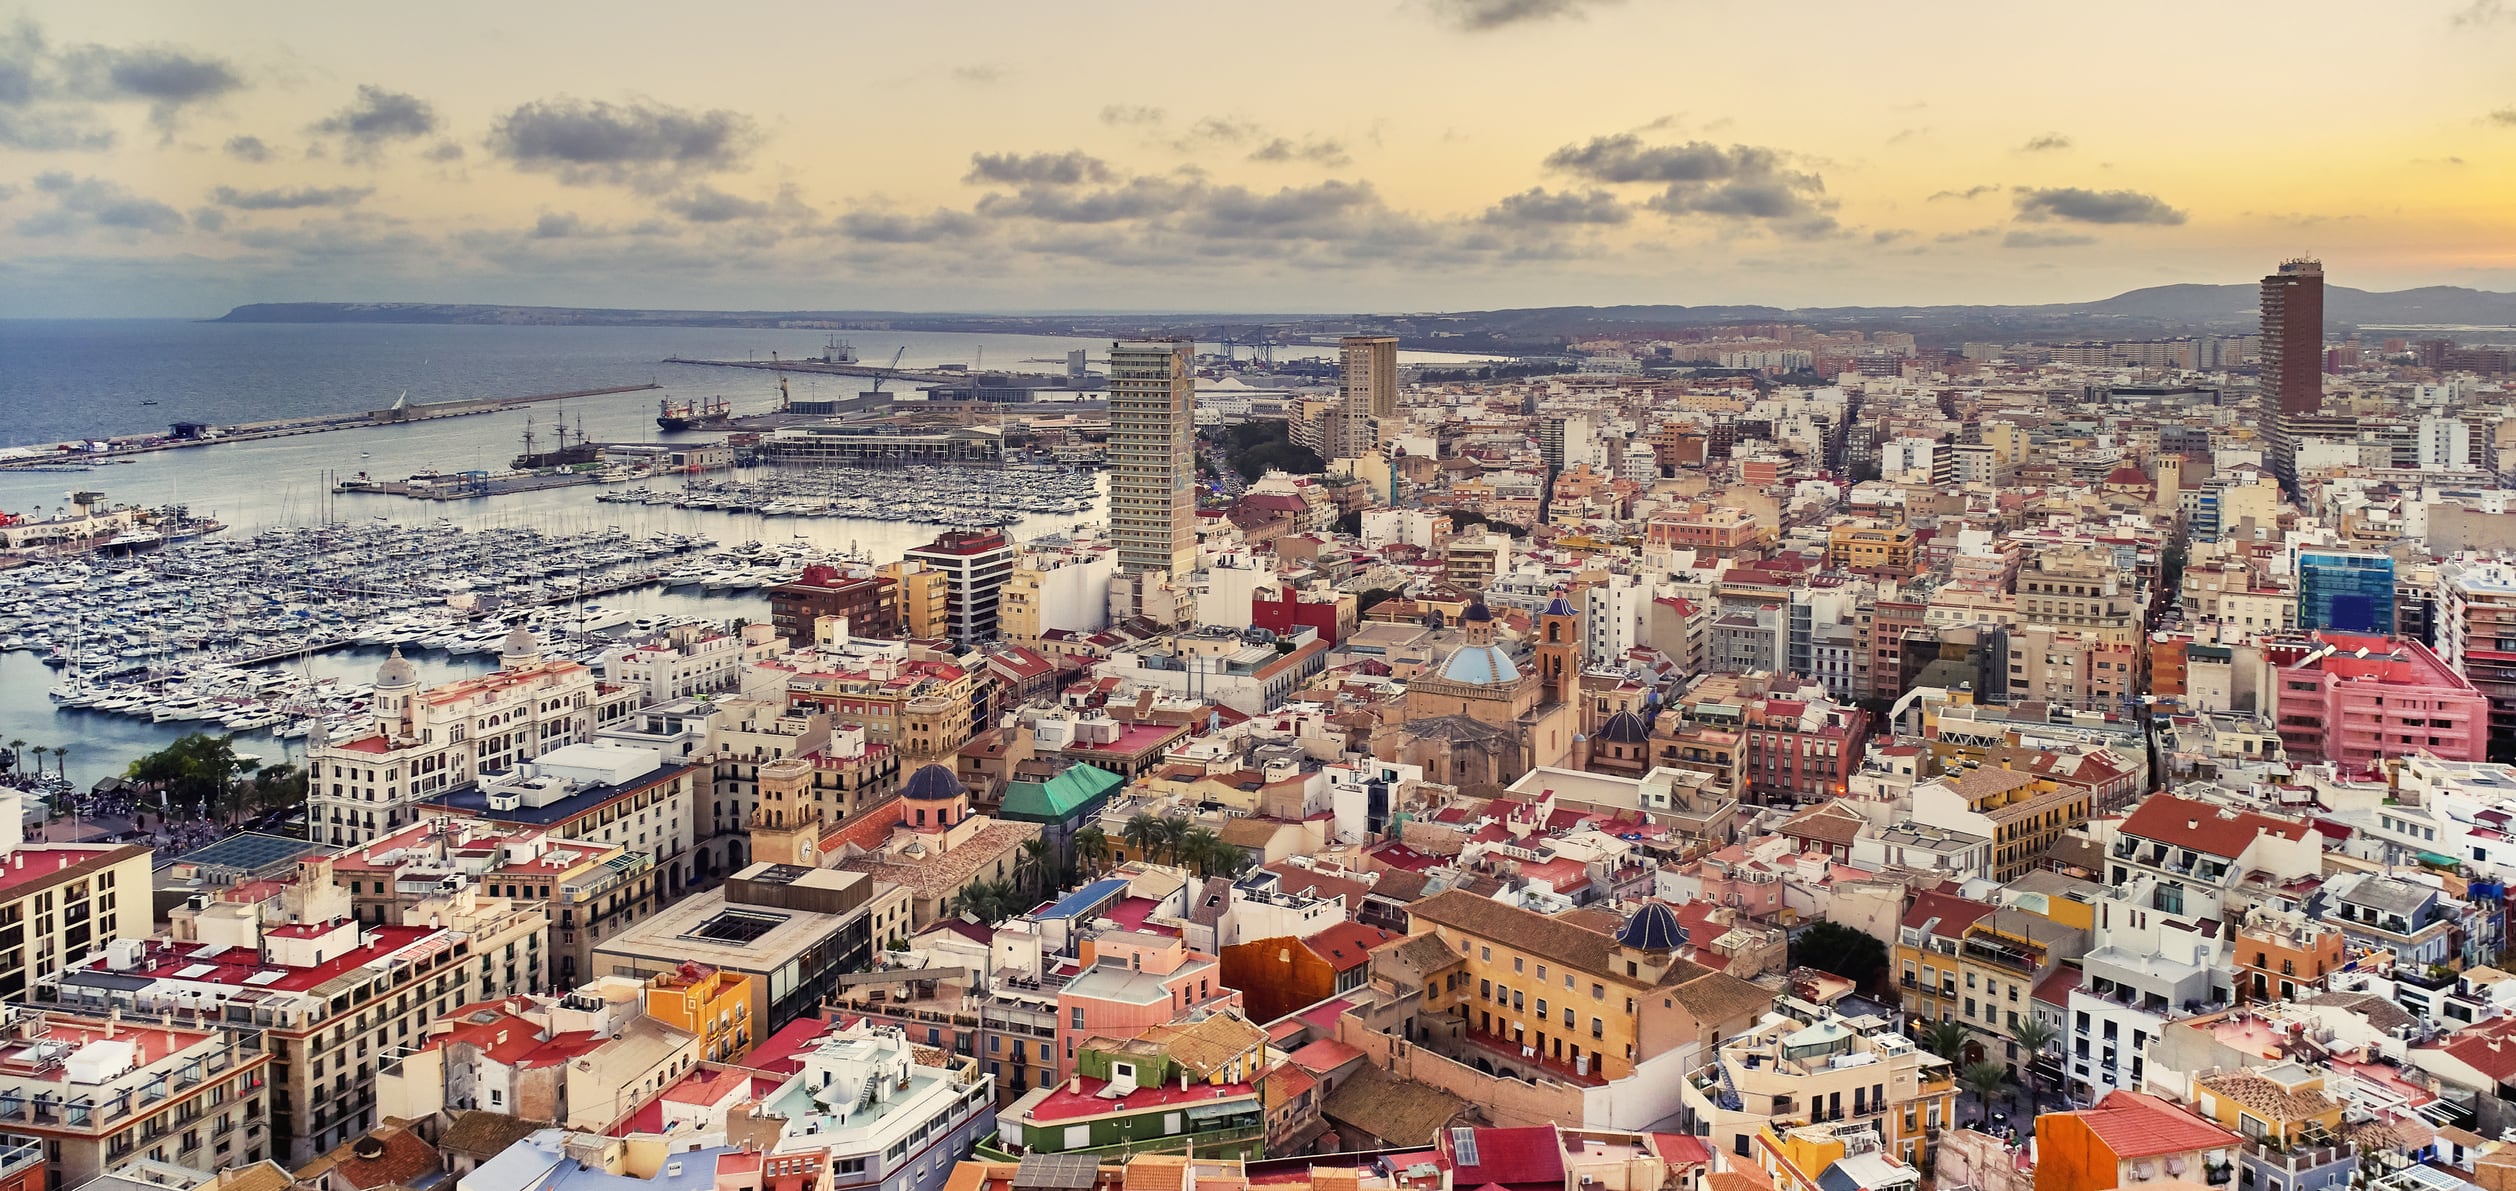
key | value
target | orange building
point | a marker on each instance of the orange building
(708, 1002)
(1281, 975)
(2127, 1139)
(2167, 664)
(2282, 956)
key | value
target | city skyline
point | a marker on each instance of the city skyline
(1473, 153)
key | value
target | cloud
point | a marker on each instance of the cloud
(1070, 168)
(49, 99)
(2023, 238)
(1889, 235)
(443, 151)
(2077, 205)
(641, 144)
(707, 204)
(2482, 13)
(2504, 117)
(209, 219)
(290, 200)
(1135, 198)
(558, 225)
(377, 118)
(1319, 152)
(1537, 205)
(1739, 182)
(94, 202)
(886, 227)
(2047, 143)
(1229, 130)
(1479, 16)
(982, 73)
(1969, 193)
(1909, 134)
(1130, 115)
(248, 148)
(168, 79)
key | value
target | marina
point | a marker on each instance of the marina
(976, 496)
(215, 637)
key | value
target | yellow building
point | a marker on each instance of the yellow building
(1536, 994)
(1859, 546)
(1852, 1074)
(923, 598)
(2286, 1104)
(2021, 814)
(1798, 1157)
(712, 1004)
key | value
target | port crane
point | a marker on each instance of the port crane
(887, 373)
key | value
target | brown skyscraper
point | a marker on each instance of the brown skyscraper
(2293, 338)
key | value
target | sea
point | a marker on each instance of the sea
(62, 380)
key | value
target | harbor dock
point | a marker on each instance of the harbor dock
(70, 455)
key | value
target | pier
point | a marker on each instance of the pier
(70, 455)
(818, 368)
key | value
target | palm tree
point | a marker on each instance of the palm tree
(1983, 1079)
(1092, 849)
(1204, 850)
(17, 754)
(1946, 1039)
(978, 900)
(1174, 833)
(61, 758)
(1142, 833)
(1033, 862)
(2033, 1038)
(39, 751)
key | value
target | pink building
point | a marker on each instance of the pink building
(1133, 980)
(2357, 699)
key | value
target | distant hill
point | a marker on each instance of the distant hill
(2155, 311)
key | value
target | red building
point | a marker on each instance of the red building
(2357, 699)
(1290, 611)
(870, 604)
(1283, 975)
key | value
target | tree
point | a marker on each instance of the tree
(1092, 849)
(1200, 848)
(1984, 1079)
(978, 901)
(1143, 832)
(1833, 947)
(17, 754)
(2033, 1038)
(1171, 832)
(61, 759)
(195, 770)
(1946, 1039)
(1033, 863)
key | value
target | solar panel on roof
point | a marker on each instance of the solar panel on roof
(1056, 1172)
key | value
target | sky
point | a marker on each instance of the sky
(175, 159)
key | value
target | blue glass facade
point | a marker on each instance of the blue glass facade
(2353, 593)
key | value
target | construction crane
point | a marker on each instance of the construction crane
(888, 373)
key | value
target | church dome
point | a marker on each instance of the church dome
(1482, 665)
(520, 644)
(1624, 728)
(1653, 928)
(397, 671)
(933, 783)
(1559, 606)
(1477, 613)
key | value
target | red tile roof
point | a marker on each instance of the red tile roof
(1068, 1104)
(2205, 827)
(1347, 945)
(1954, 913)
(2136, 1125)
(1532, 1156)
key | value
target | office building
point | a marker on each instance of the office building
(2476, 637)
(2293, 338)
(2345, 590)
(1152, 462)
(975, 565)
(1370, 379)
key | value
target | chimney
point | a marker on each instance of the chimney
(2192, 824)
(1075, 1085)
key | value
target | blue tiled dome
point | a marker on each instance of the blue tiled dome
(1559, 606)
(1652, 928)
(1484, 665)
(933, 783)
(1624, 728)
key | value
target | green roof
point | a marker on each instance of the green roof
(1059, 798)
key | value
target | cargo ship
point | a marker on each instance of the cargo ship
(693, 415)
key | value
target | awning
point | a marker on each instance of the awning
(2434, 860)
(1228, 1108)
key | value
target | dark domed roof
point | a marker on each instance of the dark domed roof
(1653, 928)
(1477, 613)
(1624, 728)
(1559, 606)
(933, 783)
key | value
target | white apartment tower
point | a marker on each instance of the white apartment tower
(1152, 459)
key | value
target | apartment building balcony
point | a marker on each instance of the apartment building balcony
(1495, 1054)
(2295, 1158)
